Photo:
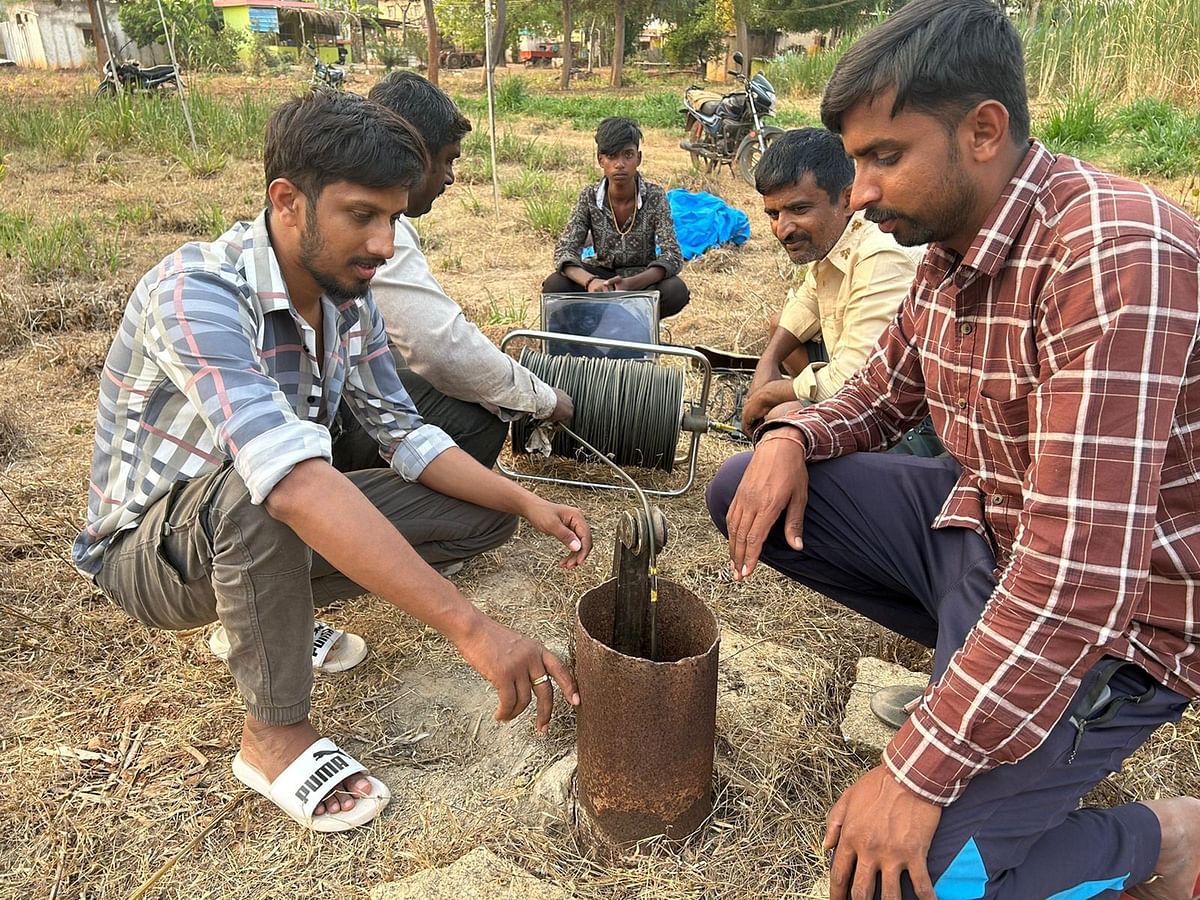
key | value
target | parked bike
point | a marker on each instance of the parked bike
(728, 129)
(327, 75)
(131, 77)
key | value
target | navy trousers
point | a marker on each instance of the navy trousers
(1017, 831)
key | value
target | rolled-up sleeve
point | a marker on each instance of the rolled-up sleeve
(202, 331)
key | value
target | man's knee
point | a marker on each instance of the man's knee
(558, 283)
(674, 295)
(720, 491)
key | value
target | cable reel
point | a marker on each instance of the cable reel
(631, 410)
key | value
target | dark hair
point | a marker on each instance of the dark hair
(425, 105)
(942, 57)
(804, 150)
(615, 133)
(327, 136)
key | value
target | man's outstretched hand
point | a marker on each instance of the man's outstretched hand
(775, 483)
(563, 522)
(879, 828)
(513, 663)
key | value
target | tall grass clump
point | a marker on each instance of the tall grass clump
(1168, 147)
(799, 74)
(529, 183)
(512, 95)
(548, 213)
(69, 246)
(1117, 50)
(1077, 124)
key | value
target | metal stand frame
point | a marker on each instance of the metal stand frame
(694, 417)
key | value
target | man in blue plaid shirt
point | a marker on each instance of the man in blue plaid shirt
(256, 455)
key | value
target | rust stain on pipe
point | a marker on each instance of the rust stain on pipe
(646, 729)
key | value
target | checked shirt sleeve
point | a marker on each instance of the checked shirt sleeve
(203, 336)
(1116, 327)
(379, 401)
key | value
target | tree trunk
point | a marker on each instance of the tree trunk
(499, 50)
(618, 57)
(433, 43)
(743, 35)
(568, 57)
(591, 36)
(100, 34)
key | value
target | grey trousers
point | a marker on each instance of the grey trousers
(205, 553)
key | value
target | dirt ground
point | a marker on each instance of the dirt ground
(115, 750)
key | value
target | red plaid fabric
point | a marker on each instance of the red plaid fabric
(1059, 361)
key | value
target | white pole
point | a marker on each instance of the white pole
(491, 98)
(187, 113)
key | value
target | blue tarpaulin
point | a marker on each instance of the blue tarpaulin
(704, 220)
(701, 220)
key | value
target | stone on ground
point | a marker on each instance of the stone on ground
(861, 729)
(479, 875)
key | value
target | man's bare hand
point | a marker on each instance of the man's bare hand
(512, 663)
(563, 522)
(762, 400)
(564, 407)
(775, 482)
(880, 828)
(599, 285)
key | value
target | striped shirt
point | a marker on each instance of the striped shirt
(1059, 361)
(213, 364)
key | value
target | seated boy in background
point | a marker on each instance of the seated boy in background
(630, 224)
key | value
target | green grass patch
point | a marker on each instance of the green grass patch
(1077, 125)
(71, 247)
(803, 75)
(548, 213)
(1168, 147)
(69, 129)
(531, 182)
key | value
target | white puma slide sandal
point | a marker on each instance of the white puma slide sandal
(333, 650)
(311, 778)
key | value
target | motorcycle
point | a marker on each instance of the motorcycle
(131, 77)
(327, 75)
(728, 129)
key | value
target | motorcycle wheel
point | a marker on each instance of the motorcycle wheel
(106, 89)
(748, 154)
(696, 134)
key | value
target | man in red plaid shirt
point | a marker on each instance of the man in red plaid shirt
(1053, 563)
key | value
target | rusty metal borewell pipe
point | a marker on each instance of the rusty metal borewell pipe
(646, 729)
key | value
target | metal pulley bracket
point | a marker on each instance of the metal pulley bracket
(635, 553)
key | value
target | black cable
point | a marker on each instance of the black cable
(628, 409)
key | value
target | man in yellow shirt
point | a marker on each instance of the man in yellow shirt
(856, 278)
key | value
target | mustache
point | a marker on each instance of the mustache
(799, 237)
(879, 214)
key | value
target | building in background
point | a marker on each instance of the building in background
(61, 34)
(287, 27)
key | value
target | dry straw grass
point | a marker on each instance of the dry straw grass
(114, 753)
